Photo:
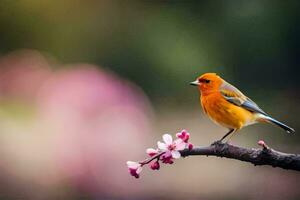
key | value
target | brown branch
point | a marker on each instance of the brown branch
(264, 156)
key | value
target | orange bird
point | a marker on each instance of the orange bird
(229, 107)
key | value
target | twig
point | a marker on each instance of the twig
(148, 160)
(264, 156)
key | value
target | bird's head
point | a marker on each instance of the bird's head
(208, 82)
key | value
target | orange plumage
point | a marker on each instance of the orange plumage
(229, 107)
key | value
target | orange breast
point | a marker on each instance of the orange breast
(224, 113)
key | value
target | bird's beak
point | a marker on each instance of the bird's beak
(195, 83)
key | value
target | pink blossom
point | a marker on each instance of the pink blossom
(134, 168)
(184, 135)
(155, 165)
(167, 151)
(167, 158)
(152, 152)
(261, 143)
(170, 146)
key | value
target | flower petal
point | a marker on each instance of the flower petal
(162, 146)
(151, 152)
(155, 165)
(139, 169)
(180, 144)
(184, 135)
(167, 154)
(176, 154)
(133, 165)
(168, 139)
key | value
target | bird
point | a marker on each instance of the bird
(229, 107)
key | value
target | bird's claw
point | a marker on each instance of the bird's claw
(218, 142)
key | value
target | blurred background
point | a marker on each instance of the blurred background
(86, 85)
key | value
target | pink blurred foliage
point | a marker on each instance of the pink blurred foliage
(21, 74)
(90, 116)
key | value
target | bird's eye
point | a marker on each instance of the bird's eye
(207, 81)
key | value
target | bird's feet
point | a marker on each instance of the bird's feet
(218, 142)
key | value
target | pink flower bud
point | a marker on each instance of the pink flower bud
(167, 159)
(133, 172)
(184, 135)
(151, 152)
(134, 168)
(190, 146)
(170, 161)
(261, 143)
(155, 165)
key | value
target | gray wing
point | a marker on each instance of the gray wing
(236, 97)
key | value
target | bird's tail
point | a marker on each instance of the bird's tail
(268, 119)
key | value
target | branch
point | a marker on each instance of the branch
(169, 150)
(264, 156)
